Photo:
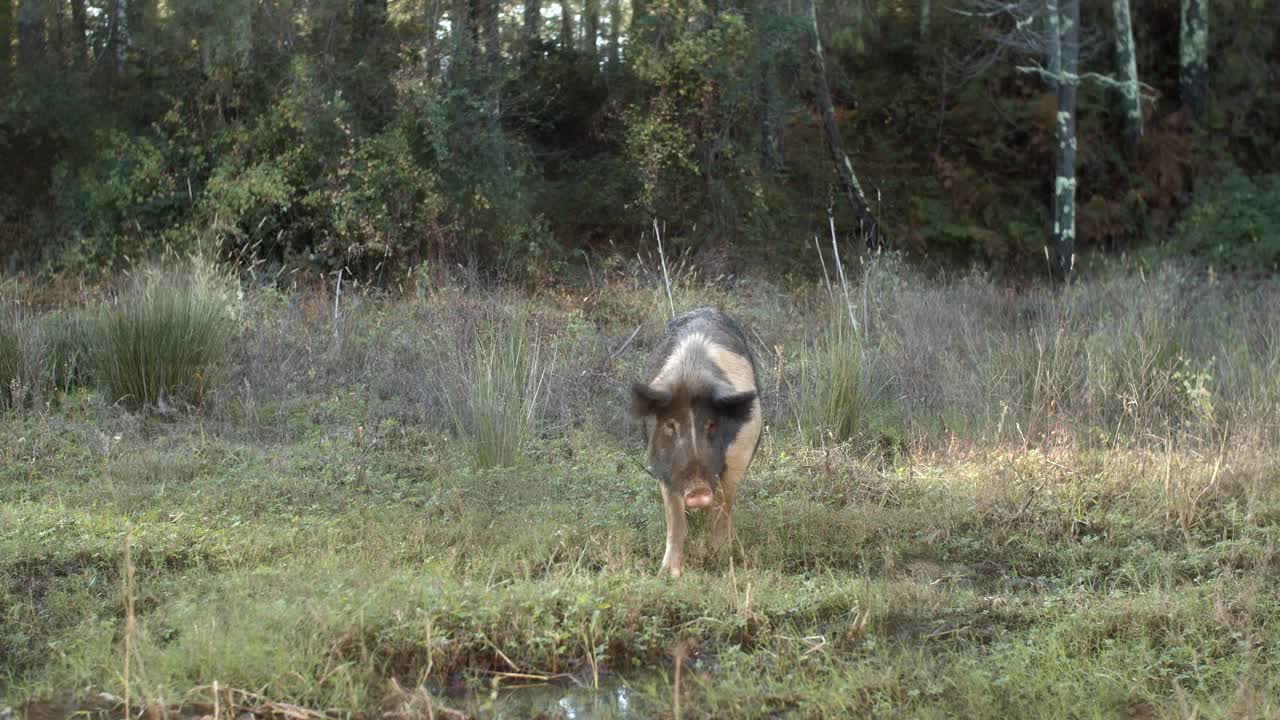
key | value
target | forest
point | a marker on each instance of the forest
(375, 135)
(324, 325)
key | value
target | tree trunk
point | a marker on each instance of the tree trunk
(79, 35)
(771, 119)
(59, 32)
(591, 27)
(615, 33)
(1127, 74)
(488, 12)
(6, 43)
(566, 25)
(1064, 54)
(532, 23)
(844, 168)
(30, 34)
(430, 60)
(924, 18)
(771, 97)
(461, 37)
(119, 43)
(1193, 47)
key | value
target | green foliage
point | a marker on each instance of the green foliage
(324, 134)
(164, 341)
(1234, 223)
(125, 201)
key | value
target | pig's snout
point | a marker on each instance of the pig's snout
(698, 497)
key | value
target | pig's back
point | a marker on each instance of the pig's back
(726, 339)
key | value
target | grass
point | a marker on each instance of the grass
(325, 533)
(164, 339)
(18, 359)
(502, 380)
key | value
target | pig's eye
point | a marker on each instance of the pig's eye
(711, 426)
(669, 427)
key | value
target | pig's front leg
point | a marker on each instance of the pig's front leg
(673, 508)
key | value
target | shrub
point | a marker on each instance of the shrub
(165, 339)
(1235, 222)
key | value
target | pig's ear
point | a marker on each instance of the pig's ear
(736, 405)
(648, 400)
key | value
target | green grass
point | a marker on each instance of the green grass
(325, 531)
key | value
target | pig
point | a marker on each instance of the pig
(700, 410)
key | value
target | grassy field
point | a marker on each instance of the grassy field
(979, 503)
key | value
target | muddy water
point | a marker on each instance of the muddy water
(614, 700)
(569, 702)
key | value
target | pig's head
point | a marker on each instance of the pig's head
(689, 431)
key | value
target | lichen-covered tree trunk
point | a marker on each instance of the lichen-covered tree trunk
(566, 25)
(30, 33)
(1193, 48)
(843, 167)
(1064, 55)
(1127, 75)
(591, 27)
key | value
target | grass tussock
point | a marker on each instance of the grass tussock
(495, 406)
(165, 339)
(22, 370)
(833, 388)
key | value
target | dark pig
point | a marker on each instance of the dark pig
(700, 409)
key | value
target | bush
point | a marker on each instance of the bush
(165, 340)
(1235, 222)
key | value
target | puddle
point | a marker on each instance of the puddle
(617, 700)
(570, 703)
(614, 700)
